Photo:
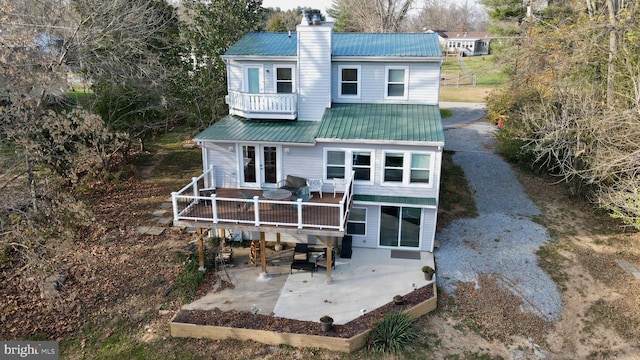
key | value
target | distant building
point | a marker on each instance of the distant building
(465, 43)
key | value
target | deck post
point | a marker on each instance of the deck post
(214, 208)
(256, 209)
(263, 257)
(174, 201)
(299, 204)
(200, 249)
(194, 181)
(329, 280)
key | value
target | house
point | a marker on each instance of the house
(464, 43)
(330, 136)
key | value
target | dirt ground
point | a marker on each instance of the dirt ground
(119, 295)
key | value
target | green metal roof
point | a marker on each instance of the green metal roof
(396, 200)
(344, 44)
(386, 44)
(265, 44)
(235, 128)
(385, 122)
(369, 122)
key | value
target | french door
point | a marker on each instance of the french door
(400, 227)
(260, 165)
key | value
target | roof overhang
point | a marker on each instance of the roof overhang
(428, 203)
(260, 58)
(406, 59)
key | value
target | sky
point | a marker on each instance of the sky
(322, 5)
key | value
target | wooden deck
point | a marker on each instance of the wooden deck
(239, 209)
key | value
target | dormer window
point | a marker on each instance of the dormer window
(349, 81)
(284, 80)
(396, 82)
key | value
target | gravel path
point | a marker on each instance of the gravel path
(503, 239)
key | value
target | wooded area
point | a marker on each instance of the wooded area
(573, 104)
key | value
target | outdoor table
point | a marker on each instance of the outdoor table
(277, 194)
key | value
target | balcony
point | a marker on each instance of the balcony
(247, 209)
(263, 106)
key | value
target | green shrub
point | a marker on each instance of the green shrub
(395, 333)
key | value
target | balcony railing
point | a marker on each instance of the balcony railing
(263, 106)
(191, 203)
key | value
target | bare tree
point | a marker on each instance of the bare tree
(371, 15)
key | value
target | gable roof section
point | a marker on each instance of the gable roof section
(344, 44)
(235, 128)
(400, 123)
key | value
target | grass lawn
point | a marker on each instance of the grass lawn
(489, 76)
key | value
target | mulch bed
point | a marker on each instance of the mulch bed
(247, 320)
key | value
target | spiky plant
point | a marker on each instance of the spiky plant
(396, 332)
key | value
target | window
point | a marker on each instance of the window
(396, 82)
(362, 165)
(407, 168)
(349, 80)
(339, 163)
(393, 167)
(335, 164)
(357, 223)
(420, 166)
(284, 80)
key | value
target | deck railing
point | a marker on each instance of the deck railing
(263, 106)
(190, 204)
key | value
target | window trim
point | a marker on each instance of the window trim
(348, 163)
(387, 69)
(407, 167)
(293, 78)
(358, 68)
(359, 221)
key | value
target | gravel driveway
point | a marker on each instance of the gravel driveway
(503, 239)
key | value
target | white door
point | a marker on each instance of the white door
(260, 165)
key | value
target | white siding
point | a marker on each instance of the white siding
(224, 162)
(314, 70)
(424, 82)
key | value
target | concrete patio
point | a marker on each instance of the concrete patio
(366, 281)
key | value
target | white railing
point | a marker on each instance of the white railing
(263, 106)
(189, 205)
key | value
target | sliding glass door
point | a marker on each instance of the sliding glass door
(400, 226)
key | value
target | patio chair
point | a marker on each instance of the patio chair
(301, 259)
(301, 252)
(315, 185)
(292, 183)
(339, 185)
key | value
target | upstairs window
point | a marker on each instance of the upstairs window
(396, 82)
(340, 163)
(407, 168)
(284, 80)
(362, 165)
(393, 167)
(420, 168)
(349, 80)
(335, 164)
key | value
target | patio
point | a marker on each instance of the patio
(366, 281)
